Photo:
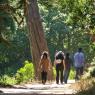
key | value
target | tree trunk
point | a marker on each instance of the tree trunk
(37, 40)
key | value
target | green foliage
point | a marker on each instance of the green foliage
(11, 58)
(66, 24)
(54, 72)
(90, 71)
(3, 1)
(25, 73)
(7, 23)
(72, 74)
(7, 80)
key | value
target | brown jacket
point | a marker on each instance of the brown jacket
(44, 64)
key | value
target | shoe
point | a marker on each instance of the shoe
(65, 82)
(57, 82)
(43, 82)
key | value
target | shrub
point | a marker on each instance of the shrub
(7, 80)
(72, 74)
(92, 72)
(92, 69)
(89, 73)
(54, 72)
(25, 73)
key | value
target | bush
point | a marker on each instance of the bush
(25, 73)
(7, 80)
(92, 69)
(89, 73)
(92, 72)
(54, 72)
(72, 74)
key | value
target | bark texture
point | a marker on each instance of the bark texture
(37, 40)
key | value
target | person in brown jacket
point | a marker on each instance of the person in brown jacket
(44, 65)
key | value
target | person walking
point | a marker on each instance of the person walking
(67, 67)
(44, 65)
(79, 61)
(59, 62)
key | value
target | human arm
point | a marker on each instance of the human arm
(49, 64)
(64, 64)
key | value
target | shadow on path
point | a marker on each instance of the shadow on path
(30, 89)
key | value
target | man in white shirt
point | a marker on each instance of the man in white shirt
(79, 63)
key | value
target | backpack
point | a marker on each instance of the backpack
(59, 57)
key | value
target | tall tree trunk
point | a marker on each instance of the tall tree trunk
(38, 43)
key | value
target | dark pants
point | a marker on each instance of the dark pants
(59, 73)
(79, 72)
(44, 77)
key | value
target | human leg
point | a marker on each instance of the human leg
(66, 75)
(77, 73)
(81, 70)
(45, 76)
(61, 76)
(42, 76)
(57, 74)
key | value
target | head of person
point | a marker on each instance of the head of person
(45, 55)
(67, 54)
(79, 49)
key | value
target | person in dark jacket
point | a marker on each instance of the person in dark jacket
(59, 62)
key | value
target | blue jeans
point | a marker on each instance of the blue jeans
(66, 75)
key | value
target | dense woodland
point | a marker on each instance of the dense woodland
(27, 27)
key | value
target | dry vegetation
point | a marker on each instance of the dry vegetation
(85, 87)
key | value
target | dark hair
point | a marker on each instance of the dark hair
(67, 55)
(79, 49)
(45, 53)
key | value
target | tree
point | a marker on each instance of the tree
(6, 20)
(36, 34)
(14, 43)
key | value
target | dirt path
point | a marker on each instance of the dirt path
(29, 89)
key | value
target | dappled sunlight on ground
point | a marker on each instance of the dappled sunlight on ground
(52, 88)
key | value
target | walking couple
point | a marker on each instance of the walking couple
(63, 64)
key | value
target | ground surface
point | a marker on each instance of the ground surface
(36, 88)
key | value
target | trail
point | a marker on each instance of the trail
(36, 88)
